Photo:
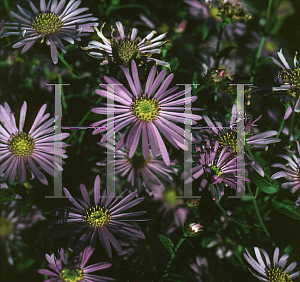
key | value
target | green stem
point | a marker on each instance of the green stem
(282, 122)
(67, 65)
(268, 13)
(218, 46)
(257, 211)
(182, 239)
(81, 122)
(261, 44)
(65, 106)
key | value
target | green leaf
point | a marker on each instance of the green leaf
(297, 135)
(264, 185)
(26, 207)
(168, 243)
(4, 200)
(206, 241)
(71, 47)
(287, 207)
(288, 249)
(195, 80)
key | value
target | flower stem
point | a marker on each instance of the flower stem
(268, 13)
(182, 239)
(67, 65)
(218, 46)
(257, 211)
(292, 121)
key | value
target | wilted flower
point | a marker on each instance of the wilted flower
(65, 270)
(264, 271)
(51, 23)
(291, 173)
(11, 225)
(101, 218)
(124, 48)
(20, 150)
(289, 78)
(145, 111)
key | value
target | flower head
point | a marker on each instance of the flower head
(216, 168)
(32, 150)
(11, 225)
(50, 23)
(192, 229)
(291, 173)
(65, 270)
(146, 111)
(98, 218)
(265, 271)
(124, 48)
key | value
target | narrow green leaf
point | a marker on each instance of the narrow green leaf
(287, 207)
(168, 243)
(264, 185)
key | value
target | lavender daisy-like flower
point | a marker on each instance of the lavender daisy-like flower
(138, 171)
(11, 225)
(226, 133)
(289, 78)
(33, 150)
(65, 270)
(265, 271)
(215, 169)
(124, 48)
(52, 22)
(146, 112)
(99, 218)
(291, 173)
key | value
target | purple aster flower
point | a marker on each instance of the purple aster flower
(264, 271)
(139, 172)
(52, 22)
(99, 218)
(146, 112)
(33, 150)
(65, 270)
(126, 47)
(11, 225)
(289, 78)
(226, 134)
(171, 207)
(215, 169)
(291, 173)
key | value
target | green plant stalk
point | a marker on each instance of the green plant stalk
(257, 211)
(268, 13)
(292, 121)
(182, 239)
(65, 106)
(218, 46)
(81, 122)
(282, 122)
(67, 65)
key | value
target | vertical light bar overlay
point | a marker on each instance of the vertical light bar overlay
(57, 143)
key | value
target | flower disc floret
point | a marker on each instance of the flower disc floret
(126, 50)
(228, 139)
(71, 275)
(169, 196)
(47, 24)
(138, 161)
(145, 108)
(216, 170)
(5, 227)
(278, 275)
(97, 216)
(21, 145)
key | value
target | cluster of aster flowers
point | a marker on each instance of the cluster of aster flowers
(145, 122)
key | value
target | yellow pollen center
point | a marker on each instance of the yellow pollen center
(169, 196)
(228, 139)
(21, 145)
(270, 46)
(126, 50)
(145, 108)
(71, 275)
(5, 227)
(47, 24)
(278, 275)
(96, 216)
(216, 170)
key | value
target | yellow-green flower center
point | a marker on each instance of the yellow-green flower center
(96, 216)
(215, 13)
(270, 46)
(228, 139)
(216, 170)
(21, 145)
(278, 275)
(126, 50)
(169, 196)
(71, 275)
(47, 24)
(138, 161)
(145, 108)
(5, 227)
